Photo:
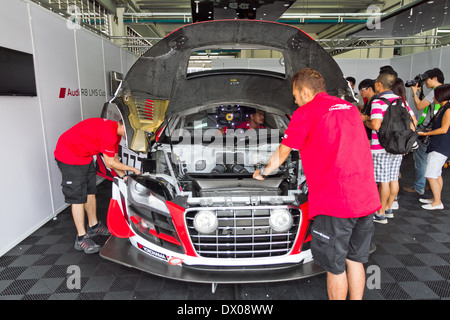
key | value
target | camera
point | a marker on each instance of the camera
(424, 139)
(419, 79)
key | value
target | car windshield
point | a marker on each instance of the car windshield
(223, 118)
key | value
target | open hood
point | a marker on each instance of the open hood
(161, 73)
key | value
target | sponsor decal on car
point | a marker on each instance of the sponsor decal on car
(174, 261)
(153, 253)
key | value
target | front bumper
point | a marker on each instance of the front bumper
(121, 251)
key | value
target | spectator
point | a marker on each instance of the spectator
(367, 90)
(360, 103)
(438, 149)
(387, 165)
(343, 195)
(435, 78)
(389, 70)
(400, 90)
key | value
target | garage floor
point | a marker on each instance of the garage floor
(413, 255)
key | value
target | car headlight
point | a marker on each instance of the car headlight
(206, 221)
(140, 189)
(142, 195)
(280, 220)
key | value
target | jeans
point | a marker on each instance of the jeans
(420, 164)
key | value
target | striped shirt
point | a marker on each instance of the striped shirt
(379, 108)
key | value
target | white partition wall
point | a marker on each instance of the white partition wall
(72, 76)
(25, 198)
(407, 67)
(56, 68)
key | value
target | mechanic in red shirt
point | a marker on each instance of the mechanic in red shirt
(338, 166)
(74, 155)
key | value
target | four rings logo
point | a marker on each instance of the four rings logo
(67, 92)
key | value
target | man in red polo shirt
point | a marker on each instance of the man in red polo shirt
(74, 155)
(338, 167)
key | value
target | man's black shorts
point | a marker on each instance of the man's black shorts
(336, 239)
(77, 182)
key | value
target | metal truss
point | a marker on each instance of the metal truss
(335, 46)
(89, 14)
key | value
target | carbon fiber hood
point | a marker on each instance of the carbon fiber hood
(161, 73)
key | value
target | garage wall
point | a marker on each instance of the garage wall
(407, 67)
(64, 57)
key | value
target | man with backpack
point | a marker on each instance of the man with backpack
(387, 163)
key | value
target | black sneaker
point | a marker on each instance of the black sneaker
(380, 219)
(100, 229)
(86, 244)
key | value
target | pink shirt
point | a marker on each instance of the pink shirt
(336, 158)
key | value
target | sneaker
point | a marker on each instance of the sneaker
(425, 200)
(100, 229)
(86, 244)
(389, 214)
(380, 218)
(430, 207)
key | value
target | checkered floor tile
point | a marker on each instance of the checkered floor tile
(412, 261)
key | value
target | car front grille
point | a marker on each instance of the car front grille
(243, 232)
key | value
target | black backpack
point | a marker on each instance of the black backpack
(395, 134)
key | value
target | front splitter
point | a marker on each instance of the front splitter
(121, 251)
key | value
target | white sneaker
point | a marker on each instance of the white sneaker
(430, 207)
(425, 200)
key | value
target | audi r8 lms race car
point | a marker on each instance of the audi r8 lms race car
(196, 214)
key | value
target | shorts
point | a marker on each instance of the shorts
(435, 162)
(336, 239)
(387, 166)
(77, 182)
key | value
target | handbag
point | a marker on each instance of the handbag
(425, 140)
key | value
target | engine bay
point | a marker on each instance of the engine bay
(210, 154)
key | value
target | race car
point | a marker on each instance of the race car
(196, 214)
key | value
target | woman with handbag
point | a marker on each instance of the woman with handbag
(438, 149)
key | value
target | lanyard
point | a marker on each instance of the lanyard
(425, 111)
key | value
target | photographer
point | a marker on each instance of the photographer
(431, 79)
(438, 149)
